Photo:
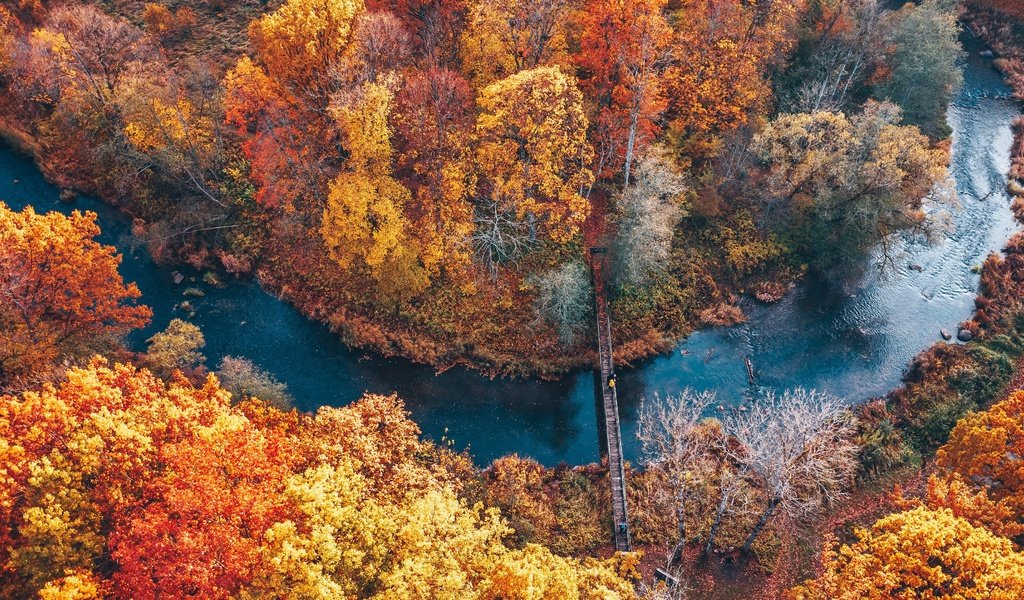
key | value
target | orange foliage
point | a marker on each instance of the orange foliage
(60, 292)
(117, 483)
(722, 52)
(985, 449)
(624, 45)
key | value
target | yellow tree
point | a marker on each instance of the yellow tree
(533, 150)
(507, 36)
(364, 218)
(919, 553)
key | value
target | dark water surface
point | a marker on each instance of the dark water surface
(855, 344)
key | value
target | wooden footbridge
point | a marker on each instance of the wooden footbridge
(607, 398)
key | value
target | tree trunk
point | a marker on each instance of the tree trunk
(772, 504)
(677, 554)
(723, 502)
(630, 143)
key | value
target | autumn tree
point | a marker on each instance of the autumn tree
(245, 380)
(722, 52)
(177, 348)
(624, 48)
(799, 444)
(175, 126)
(61, 295)
(364, 219)
(923, 64)
(82, 55)
(673, 441)
(533, 152)
(919, 553)
(503, 38)
(842, 50)
(432, 117)
(435, 26)
(838, 185)
(280, 100)
(984, 449)
(647, 215)
(971, 502)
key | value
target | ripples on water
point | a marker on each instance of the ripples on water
(854, 343)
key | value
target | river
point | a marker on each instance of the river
(855, 343)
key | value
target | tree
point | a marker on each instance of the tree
(365, 214)
(433, 120)
(517, 486)
(984, 449)
(919, 553)
(624, 48)
(721, 55)
(84, 55)
(245, 380)
(303, 43)
(841, 52)
(801, 446)
(280, 102)
(61, 295)
(177, 348)
(972, 503)
(380, 44)
(504, 38)
(837, 186)
(647, 215)
(923, 64)
(533, 150)
(434, 24)
(564, 298)
(673, 441)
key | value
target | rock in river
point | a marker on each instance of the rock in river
(965, 335)
(946, 335)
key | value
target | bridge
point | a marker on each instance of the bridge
(607, 397)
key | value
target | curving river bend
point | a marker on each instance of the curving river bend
(854, 343)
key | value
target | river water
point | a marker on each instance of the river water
(854, 343)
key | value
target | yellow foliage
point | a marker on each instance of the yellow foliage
(533, 148)
(364, 217)
(302, 41)
(919, 553)
(75, 585)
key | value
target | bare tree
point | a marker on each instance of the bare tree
(564, 298)
(499, 238)
(801, 446)
(649, 211)
(843, 58)
(672, 440)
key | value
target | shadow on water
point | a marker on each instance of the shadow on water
(854, 344)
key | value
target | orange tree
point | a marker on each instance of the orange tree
(116, 482)
(984, 449)
(919, 553)
(60, 292)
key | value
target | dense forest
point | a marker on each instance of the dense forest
(427, 177)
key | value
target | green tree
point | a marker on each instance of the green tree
(176, 348)
(923, 67)
(836, 186)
